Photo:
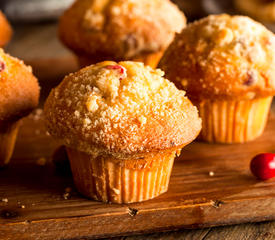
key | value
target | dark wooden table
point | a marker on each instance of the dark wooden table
(38, 46)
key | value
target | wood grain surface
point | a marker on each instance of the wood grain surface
(250, 231)
(34, 205)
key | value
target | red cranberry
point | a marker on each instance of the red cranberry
(120, 69)
(2, 66)
(250, 78)
(263, 166)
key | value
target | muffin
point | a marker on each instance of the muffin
(5, 30)
(137, 30)
(122, 125)
(226, 64)
(262, 10)
(19, 96)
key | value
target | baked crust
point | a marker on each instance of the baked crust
(123, 110)
(120, 29)
(5, 30)
(19, 88)
(222, 57)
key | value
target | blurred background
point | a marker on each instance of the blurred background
(35, 37)
(45, 10)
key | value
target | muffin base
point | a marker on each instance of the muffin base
(8, 134)
(151, 59)
(107, 180)
(233, 121)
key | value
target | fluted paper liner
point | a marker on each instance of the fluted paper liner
(8, 134)
(105, 180)
(233, 121)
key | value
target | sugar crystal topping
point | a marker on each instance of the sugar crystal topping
(102, 101)
(227, 55)
(239, 36)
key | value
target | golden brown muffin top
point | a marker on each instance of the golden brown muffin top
(120, 29)
(19, 88)
(222, 57)
(5, 30)
(120, 109)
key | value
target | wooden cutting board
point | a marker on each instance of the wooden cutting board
(35, 204)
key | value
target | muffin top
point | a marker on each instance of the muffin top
(120, 28)
(222, 57)
(5, 30)
(19, 88)
(120, 109)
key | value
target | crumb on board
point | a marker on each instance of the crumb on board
(211, 173)
(132, 212)
(22, 206)
(5, 200)
(37, 114)
(66, 196)
(216, 203)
